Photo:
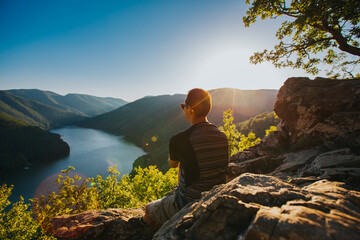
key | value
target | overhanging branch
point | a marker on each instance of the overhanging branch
(338, 37)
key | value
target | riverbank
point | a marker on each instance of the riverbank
(92, 152)
(24, 146)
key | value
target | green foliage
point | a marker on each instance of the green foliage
(231, 132)
(258, 124)
(108, 189)
(313, 32)
(148, 184)
(16, 222)
(270, 130)
(76, 195)
(248, 141)
(237, 141)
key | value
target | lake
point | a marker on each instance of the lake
(91, 153)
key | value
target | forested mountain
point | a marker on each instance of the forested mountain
(151, 121)
(48, 110)
(258, 124)
(36, 113)
(24, 112)
(23, 145)
(86, 104)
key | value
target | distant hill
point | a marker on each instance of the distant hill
(161, 117)
(22, 112)
(258, 124)
(22, 145)
(36, 113)
(48, 110)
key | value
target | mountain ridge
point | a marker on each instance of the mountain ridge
(47, 109)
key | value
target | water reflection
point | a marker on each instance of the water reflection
(92, 152)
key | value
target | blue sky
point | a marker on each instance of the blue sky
(130, 49)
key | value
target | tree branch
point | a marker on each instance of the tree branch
(338, 37)
(308, 44)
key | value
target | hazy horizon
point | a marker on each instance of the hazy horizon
(131, 49)
(151, 95)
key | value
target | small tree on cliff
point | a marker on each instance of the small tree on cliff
(320, 31)
(237, 141)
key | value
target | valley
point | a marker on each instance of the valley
(161, 117)
(148, 122)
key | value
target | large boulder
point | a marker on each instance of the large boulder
(263, 207)
(318, 135)
(320, 110)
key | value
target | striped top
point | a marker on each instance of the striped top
(202, 151)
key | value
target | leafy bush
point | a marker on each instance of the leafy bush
(247, 141)
(270, 130)
(238, 141)
(76, 195)
(150, 184)
(258, 124)
(16, 222)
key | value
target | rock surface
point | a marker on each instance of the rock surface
(301, 182)
(318, 135)
(97, 225)
(320, 110)
(263, 207)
